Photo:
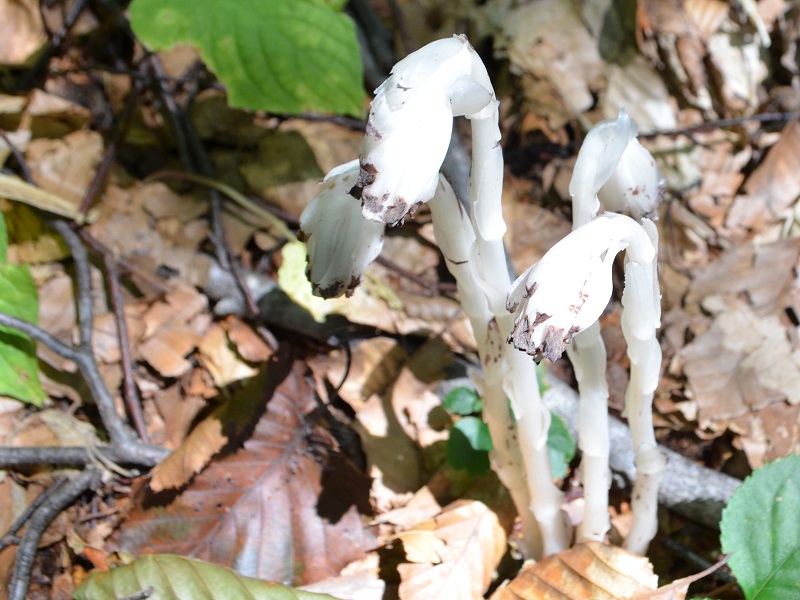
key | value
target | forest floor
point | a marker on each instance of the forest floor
(308, 439)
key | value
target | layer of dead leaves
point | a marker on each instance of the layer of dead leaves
(279, 476)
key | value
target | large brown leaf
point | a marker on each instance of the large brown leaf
(285, 507)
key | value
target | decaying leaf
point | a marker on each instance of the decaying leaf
(591, 570)
(267, 508)
(224, 426)
(22, 31)
(455, 554)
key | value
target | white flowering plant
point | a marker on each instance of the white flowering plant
(554, 306)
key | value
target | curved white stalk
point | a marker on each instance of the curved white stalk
(407, 137)
(641, 317)
(612, 168)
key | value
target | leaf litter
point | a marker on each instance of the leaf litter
(729, 262)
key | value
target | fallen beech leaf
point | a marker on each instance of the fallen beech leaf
(268, 508)
(66, 166)
(227, 423)
(179, 578)
(221, 360)
(471, 543)
(591, 570)
(22, 31)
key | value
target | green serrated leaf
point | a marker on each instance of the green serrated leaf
(19, 369)
(463, 401)
(179, 578)
(761, 531)
(561, 446)
(276, 55)
(468, 446)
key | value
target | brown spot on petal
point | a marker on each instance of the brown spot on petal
(540, 318)
(530, 291)
(366, 176)
(555, 342)
(302, 235)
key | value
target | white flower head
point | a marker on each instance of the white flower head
(614, 169)
(410, 123)
(341, 243)
(636, 186)
(567, 291)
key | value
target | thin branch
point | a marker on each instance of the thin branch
(12, 457)
(40, 520)
(723, 123)
(130, 391)
(11, 536)
(21, 162)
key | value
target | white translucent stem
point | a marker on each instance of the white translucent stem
(588, 356)
(641, 316)
(520, 378)
(455, 237)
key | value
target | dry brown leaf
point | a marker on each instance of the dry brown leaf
(66, 166)
(762, 272)
(465, 542)
(591, 570)
(359, 580)
(267, 508)
(223, 363)
(179, 410)
(173, 328)
(226, 425)
(249, 344)
(773, 187)
(549, 40)
(22, 31)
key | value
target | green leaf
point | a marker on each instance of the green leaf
(284, 56)
(19, 369)
(180, 578)
(468, 446)
(463, 401)
(761, 531)
(561, 446)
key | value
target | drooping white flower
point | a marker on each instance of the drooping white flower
(341, 243)
(410, 123)
(614, 169)
(569, 288)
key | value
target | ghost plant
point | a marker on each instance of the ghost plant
(407, 136)
(613, 169)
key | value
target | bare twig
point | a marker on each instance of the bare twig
(68, 456)
(23, 165)
(41, 518)
(130, 391)
(11, 536)
(723, 123)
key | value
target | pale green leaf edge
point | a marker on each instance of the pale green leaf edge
(175, 577)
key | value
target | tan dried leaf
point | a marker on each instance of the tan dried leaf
(66, 166)
(470, 543)
(22, 31)
(221, 360)
(591, 570)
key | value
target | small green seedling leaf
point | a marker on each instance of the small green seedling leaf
(19, 369)
(179, 578)
(561, 446)
(468, 446)
(276, 55)
(761, 531)
(463, 401)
